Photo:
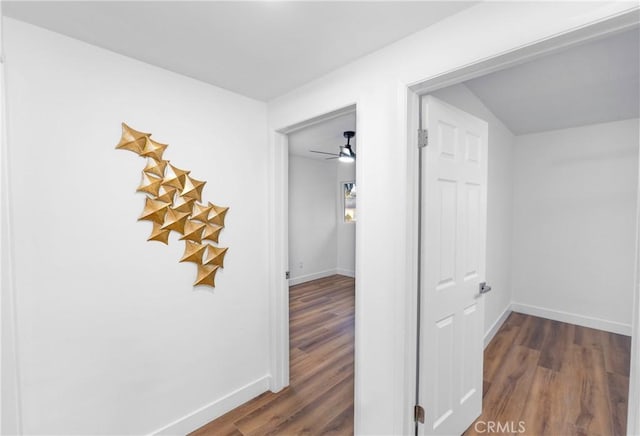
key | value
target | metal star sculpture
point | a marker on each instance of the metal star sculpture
(173, 202)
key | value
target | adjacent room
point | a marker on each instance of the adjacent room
(562, 203)
(322, 200)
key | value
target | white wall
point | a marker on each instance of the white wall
(3, 302)
(633, 420)
(574, 223)
(9, 411)
(346, 231)
(378, 85)
(312, 219)
(112, 337)
(499, 202)
(320, 242)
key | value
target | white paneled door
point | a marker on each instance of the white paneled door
(452, 256)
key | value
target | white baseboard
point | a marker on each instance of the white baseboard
(345, 272)
(202, 416)
(308, 277)
(497, 324)
(573, 318)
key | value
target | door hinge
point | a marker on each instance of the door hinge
(423, 138)
(287, 275)
(418, 414)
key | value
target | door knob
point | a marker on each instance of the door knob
(484, 288)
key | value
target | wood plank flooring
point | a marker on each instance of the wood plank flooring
(559, 379)
(319, 399)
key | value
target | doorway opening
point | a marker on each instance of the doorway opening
(322, 200)
(561, 237)
(322, 221)
(313, 282)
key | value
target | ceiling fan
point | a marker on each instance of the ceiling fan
(346, 153)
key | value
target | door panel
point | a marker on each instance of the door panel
(454, 190)
(447, 225)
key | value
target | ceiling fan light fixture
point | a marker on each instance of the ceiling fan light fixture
(346, 154)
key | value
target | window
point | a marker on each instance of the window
(349, 194)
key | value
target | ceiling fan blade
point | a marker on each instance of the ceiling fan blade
(322, 152)
(329, 158)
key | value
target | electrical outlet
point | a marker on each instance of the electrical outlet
(301, 265)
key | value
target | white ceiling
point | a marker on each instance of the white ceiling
(260, 49)
(325, 136)
(592, 83)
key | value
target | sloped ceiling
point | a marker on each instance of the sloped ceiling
(592, 83)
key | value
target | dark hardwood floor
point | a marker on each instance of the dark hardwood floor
(558, 379)
(319, 399)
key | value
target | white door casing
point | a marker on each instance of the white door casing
(452, 262)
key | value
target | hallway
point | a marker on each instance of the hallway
(319, 399)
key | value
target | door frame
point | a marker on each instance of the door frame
(633, 416)
(279, 243)
(10, 394)
(414, 91)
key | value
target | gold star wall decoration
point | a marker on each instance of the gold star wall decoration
(183, 204)
(211, 232)
(193, 252)
(153, 149)
(166, 194)
(201, 212)
(175, 220)
(193, 231)
(175, 177)
(155, 167)
(217, 214)
(132, 140)
(215, 256)
(192, 188)
(159, 234)
(154, 210)
(206, 275)
(173, 203)
(150, 184)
